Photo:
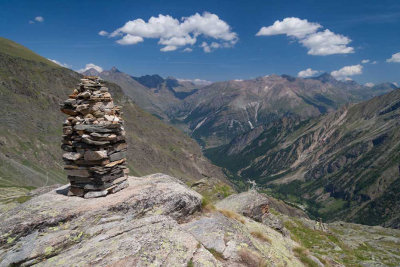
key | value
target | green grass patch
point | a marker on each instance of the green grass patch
(23, 199)
(332, 206)
(216, 254)
(206, 204)
(224, 190)
(329, 244)
(302, 254)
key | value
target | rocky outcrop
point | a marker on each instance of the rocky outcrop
(155, 221)
(136, 225)
(282, 207)
(237, 241)
(158, 221)
(253, 205)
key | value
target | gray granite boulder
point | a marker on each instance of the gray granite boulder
(137, 226)
(251, 204)
(155, 221)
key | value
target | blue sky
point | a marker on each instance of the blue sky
(298, 35)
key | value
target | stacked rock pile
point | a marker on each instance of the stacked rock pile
(93, 141)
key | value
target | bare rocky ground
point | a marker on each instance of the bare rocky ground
(159, 221)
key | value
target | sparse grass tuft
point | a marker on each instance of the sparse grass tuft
(216, 254)
(302, 253)
(23, 199)
(223, 190)
(261, 236)
(206, 205)
(11, 240)
(251, 258)
(232, 215)
(274, 212)
(190, 263)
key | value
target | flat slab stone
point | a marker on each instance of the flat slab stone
(94, 194)
(117, 156)
(78, 172)
(95, 155)
(72, 156)
(98, 128)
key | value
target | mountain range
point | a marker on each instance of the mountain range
(342, 165)
(214, 114)
(31, 89)
(151, 92)
(221, 111)
(303, 140)
(327, 146)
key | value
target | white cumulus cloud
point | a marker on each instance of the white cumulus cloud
(130, 39)
(394, 59)
(39, 19)
(169, 48)
(369, 84)
(91, 66)
(293, 27)
(199, 82)
(187, 49)
(319, 43)
(207, 48)
(36, 19)
(327, 43)
(307, 73)
(345, 72)
(366, 61)
(176, 33)
(65, 65)
(103, 33)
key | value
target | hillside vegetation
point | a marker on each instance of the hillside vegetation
(343, 165)
(31, 88)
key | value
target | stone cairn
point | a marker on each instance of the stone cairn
(93, 141)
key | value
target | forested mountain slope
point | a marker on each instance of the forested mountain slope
(343, 165)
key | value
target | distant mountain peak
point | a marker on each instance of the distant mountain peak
(171, 78)
(150, 81)
(386, 86)
(325, 78)
(288, 77)
(114, 69)
(91, 72)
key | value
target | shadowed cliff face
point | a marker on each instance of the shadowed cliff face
(31, 90)
(342, 165)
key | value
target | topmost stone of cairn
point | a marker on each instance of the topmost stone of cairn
(93, 141)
